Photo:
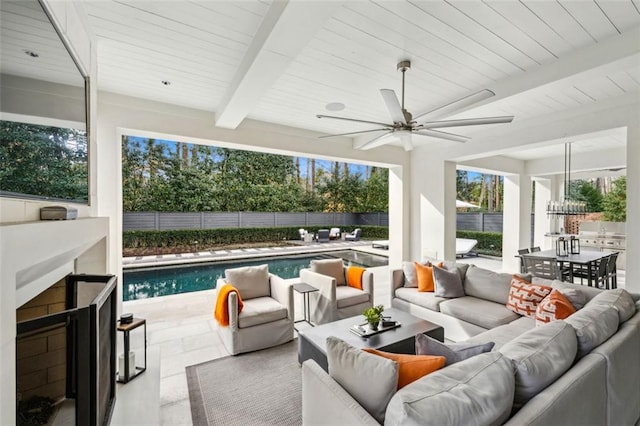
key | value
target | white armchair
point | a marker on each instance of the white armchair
(267, 317)
(335, 300)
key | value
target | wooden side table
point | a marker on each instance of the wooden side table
(305, 289)
(137, 370)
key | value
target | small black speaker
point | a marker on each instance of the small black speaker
(126, 318)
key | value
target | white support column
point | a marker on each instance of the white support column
(541, 221)
(632, 277)
(434, 216)
(516, 224)
(399, 207)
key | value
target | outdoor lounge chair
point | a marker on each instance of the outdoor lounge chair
(267, 317)
(334, 233)
(465, 246)
(323, 236)
(354, 236)
(335, 300)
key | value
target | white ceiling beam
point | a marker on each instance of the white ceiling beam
(606, 114)
(616, 53)
(287, 28)
(610, 158)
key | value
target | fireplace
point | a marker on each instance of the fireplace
(65, 351)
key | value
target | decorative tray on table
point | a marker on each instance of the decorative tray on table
(363, 329)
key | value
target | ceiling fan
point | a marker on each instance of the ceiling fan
(404, 124)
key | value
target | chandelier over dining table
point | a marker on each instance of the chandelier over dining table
(567, 206)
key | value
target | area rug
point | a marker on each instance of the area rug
(257, 388)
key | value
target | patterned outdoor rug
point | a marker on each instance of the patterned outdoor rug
(257, 388)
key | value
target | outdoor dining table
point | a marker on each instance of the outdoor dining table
(588, 258)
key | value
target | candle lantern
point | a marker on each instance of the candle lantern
(575, 245)
(562, 247)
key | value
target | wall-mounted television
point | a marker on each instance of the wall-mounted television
(43, 109)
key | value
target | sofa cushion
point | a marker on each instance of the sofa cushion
(448, 284)
(505, 333)
(410, 276)
(453, 352)
(331, 267)
(593, 325)
(478, 311)
(424, 299)
(588, 292)
(540, 356)
(450, 266)
(411, 367)
(619, 299)
(251, 281)
(524, 296)
(577, 297)
(424, 273)
(555, 306)
(349, 296)
(260, 310)
(370, 379)
(488, 285)
(478, 391)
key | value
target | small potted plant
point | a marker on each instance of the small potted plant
(373, 316)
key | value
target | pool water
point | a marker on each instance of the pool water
(167, 280)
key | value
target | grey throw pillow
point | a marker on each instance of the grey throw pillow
(447, 283)
(453, 352)
(370, 379)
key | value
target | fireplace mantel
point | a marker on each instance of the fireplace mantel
(34, 256)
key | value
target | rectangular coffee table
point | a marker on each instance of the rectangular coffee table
(401, 340)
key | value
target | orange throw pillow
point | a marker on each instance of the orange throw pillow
(411, 367)
(424, 273)
(354, 277)
(524, 297)
(554, 307)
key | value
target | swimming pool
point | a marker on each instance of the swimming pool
(163, 281)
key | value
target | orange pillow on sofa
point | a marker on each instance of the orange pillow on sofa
(524, 297)
(411, 367)
(554, 307)
(424, 273)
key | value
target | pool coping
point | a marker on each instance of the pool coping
(249, 253)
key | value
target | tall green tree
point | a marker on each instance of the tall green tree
(614, 203)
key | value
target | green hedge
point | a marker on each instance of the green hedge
(228, 236)
(488, 242)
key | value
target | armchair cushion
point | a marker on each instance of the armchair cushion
(333, 268)
(261, 310)
(354, 277)
(251, 281)
(349, 296)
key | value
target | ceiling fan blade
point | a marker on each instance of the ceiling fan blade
(441, 135)
(457, 105)
(395, 110)
(376, 142)
(467, 122)
(405, 138)
(353, 133)
(335, 117)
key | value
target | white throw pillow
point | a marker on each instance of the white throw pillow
(250, 281)
(370, 379)
(331, 267)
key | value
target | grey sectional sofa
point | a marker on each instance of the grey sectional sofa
(584, 370)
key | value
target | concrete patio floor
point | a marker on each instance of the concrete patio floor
(181, 331)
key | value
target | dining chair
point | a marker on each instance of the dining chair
(542, 267)
(520, 253)
(598, 276)
(535, 249)
(612, 271)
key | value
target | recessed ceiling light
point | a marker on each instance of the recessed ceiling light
(335, 106)
(31, 53)
(166, 82)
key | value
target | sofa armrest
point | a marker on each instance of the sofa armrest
(283, 293)
(325, 402)
(232, 302)
(396, 281)
(367, 283)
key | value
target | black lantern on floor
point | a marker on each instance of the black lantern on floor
(575, 245)
(562, 247)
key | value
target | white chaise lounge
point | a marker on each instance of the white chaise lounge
(465, 246)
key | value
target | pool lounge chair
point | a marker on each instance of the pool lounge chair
(334, 233)
(383, 244)
(355, 235)
(323, 236)
(465, 246)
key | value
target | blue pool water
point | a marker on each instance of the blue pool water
(163, 281)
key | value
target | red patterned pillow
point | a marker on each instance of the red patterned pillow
(555, 306)
(524, 296)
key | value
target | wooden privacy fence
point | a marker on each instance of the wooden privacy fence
(159, 221)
